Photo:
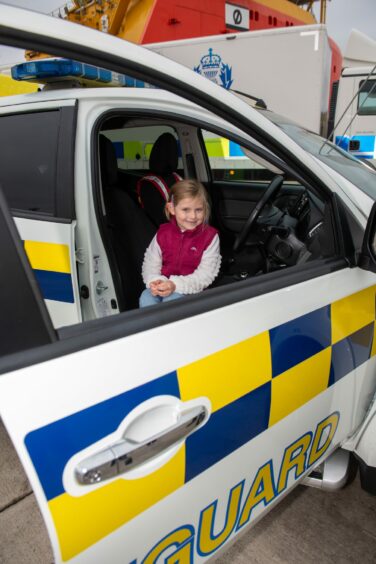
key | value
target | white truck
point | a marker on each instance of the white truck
(297, 72)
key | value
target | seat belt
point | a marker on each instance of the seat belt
(159, 184)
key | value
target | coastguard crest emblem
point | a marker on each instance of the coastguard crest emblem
(212, 67)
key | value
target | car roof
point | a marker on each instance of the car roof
(160, 99)
(101, 93)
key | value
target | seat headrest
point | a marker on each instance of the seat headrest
(108, 162)
(164, 155)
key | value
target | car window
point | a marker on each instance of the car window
(240, 177)
(363, 176)
(230, 162)
(133, 145)
(30, 139)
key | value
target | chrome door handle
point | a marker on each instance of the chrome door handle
(126, 455)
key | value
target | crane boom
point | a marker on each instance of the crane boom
(105, 15)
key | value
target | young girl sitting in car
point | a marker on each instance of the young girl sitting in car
(183, 258)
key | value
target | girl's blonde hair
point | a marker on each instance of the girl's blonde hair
(189, 189)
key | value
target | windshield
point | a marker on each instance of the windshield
(357, 172)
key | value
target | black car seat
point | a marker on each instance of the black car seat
(129, 229)
(153, 188)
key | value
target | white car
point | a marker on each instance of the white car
(156, 435)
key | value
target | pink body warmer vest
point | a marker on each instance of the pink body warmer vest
(182, 251)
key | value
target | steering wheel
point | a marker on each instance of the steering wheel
(271, 190)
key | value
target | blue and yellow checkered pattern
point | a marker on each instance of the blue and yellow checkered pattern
(51, 265)
(252, 385)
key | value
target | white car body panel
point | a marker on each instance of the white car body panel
(78, 372)
(44, 239)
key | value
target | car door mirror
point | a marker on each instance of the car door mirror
(25, 322)
(367, 259)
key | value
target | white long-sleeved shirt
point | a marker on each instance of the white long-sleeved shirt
(201, 278)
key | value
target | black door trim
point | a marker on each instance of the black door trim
(93, 333)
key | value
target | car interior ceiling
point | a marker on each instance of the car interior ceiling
(264, 226)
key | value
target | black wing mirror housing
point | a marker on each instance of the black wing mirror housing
(367, 258)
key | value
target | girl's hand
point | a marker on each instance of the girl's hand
(153, 286)
(165, 288)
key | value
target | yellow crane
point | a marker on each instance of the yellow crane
(309, 5)
(104, 15)
(108, 16)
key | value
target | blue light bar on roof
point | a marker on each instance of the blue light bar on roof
(45, 71)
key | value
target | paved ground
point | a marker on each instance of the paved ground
(23, 538)
(309, 526)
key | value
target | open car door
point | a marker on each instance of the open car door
(131, 458)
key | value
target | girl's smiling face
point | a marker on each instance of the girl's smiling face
(188, 212)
